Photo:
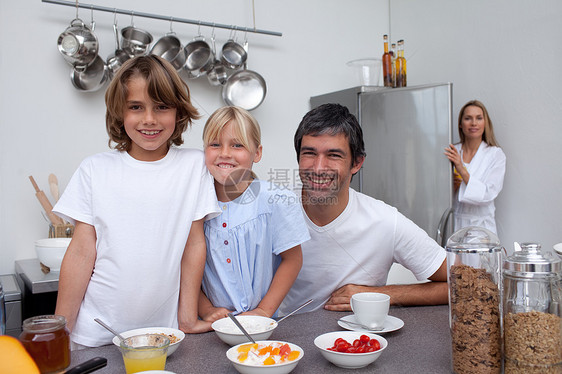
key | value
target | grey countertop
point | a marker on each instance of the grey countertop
(423, 345)
(33, 277)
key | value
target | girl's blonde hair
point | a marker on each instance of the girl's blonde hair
(488, 135)
(245, 126)
(165, 86)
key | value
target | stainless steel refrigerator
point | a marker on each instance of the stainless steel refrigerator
(406, 131)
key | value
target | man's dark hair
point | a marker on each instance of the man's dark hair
(332, 119)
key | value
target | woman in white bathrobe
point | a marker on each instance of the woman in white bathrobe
(479, 168)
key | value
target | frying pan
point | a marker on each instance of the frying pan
(91, 79)
(245, 88)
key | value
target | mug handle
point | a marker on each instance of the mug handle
(351, 303)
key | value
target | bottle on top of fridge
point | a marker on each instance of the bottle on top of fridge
(386, 64)
(393, 53)
(401, 76)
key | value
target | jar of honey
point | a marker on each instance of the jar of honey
(47, 340)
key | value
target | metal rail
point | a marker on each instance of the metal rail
(160, 17)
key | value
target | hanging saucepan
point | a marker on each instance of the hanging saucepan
(78, 44)
(169, 48)
(135, 41)
(245, 88)
(217, 75)
(233, 54)
(199, 57)
(92, 78)
(118, 58)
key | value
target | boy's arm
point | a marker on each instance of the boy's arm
(192, 267)
(76, 271)
(291, 263)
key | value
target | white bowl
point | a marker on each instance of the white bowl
(51, 251)
(155, 330)
(259, 328)
(282, 368)
(348, 360)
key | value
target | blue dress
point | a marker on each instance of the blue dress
(244, 243)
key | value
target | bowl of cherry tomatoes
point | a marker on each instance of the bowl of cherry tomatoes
(350, 349)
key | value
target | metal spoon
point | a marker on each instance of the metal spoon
(362, 326)
(109, 329)
(294, 311)
(237, 323)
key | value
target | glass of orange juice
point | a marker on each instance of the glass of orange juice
(144, 352)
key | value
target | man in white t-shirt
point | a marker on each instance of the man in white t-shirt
(355, 239)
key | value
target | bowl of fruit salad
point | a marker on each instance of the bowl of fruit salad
(266, 356)
(350, 349)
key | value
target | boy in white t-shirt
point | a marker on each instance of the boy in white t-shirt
(354, 238)
(138, 251)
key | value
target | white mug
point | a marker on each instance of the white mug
(370, 308)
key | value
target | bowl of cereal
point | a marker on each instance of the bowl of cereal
(265, 356)
(176, 336)
(350, 349)
(259, 328)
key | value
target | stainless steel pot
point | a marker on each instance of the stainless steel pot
(217, 75)
(245, 89)
(92, 78)
(78, 44)
(135, 41)
(169, 48)
(118, 58)
(199, 57)
(233, 54)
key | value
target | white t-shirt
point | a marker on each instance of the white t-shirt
(474, 202)
(359, 247)
(142, 213)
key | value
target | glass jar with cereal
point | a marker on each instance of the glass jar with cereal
(474, 279)
(532, 309)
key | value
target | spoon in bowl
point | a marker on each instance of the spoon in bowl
(294, 311)
(239, 325)
(109, 329)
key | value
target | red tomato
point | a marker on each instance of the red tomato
(357, 343)
(351, 350)
(338, 340)
(369, 349)
(364, 338)
(361, 349)
(375, 344)
(342, 346)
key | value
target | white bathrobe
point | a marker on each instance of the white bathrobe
(474, 202)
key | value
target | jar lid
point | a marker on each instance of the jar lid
(529, 261)
(473, 239)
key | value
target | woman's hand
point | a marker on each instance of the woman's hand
(454, 156)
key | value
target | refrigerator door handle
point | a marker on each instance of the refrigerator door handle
(442, 226)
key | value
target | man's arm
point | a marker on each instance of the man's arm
(434, 292)
(76, 271)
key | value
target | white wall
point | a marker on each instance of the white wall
(504, 52)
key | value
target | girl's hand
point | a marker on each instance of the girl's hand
(213, 314)
(256, 312)
(454, 156)
(196, 328)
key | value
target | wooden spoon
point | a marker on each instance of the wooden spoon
(54, 187)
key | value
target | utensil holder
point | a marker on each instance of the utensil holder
(61, 231)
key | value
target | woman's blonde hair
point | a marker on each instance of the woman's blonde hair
(245, 126)
(165, 86)
(488, 135)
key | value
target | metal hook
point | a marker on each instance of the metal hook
(115, 16)
(92, 23)
(76, 8)
(213, 32)
(171, 21)
(199, 28)
(132, 15)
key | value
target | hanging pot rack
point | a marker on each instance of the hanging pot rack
(160, 17)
